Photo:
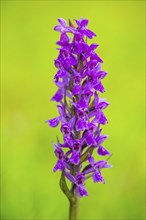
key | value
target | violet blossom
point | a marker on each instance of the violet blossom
(80, 109)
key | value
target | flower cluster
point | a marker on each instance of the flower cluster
(79, 81)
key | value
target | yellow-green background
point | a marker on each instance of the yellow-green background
(29, 188)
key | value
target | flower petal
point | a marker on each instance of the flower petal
(102, 104)
(100, 139)
(53, 122)
(59, 166)
(102, 151)
(99, 87)
(62, 22)
(91, 160)
(90, 140)
(58, 96)
(97, 177)
(70, 177)
(75, 159)
(81, 124)
(76, 90)
(81, 191)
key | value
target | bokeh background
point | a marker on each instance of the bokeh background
(29, 188)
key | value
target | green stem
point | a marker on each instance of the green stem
(73, 210)
(72, 197)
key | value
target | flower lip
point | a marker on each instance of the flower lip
(81, 113)
(80, 179)
(59, 153)
(77, 79)
(65, 129)
(60, 156)
(76, 145)
(92, 127)
(87, 93)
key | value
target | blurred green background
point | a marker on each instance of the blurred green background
(29, 188)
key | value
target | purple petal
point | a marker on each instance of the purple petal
(91, 160)
(76, 90)
(96, 99)
(101, 74)
(53, 122)
(75, 158)
(64, 40)
(89, 170)
(57, 63)
(102, 104)
(91, 127)
(82, 191)
(93, 46)
(60, 74)
(92, 64)
(78, 22)
(61, 110)
(81, 124)
(90, 34)
(68, 140)
(62, 22)
(65, 129)
(59, 166)
(70, 177)
(58, 28)
(73, 61)
(99, 87)
(80, 178)
(77, 145)
(102, 164)
(98, 68)
(72, 122)
(87, 95)
(100, 139)
(77, 79)
(58, 152)
(97, 177)
(90, 140)
(94, 56)
(102, 151)
(82, 103)
(100, 118)
(58, 96)
(83, 22)
(81, 113)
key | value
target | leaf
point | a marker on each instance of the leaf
(64, 187)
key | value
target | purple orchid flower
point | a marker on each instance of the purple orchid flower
(76, 148)
(80, 109)
(95, 169)
(99, 140)
(60, 155)
(79, 183)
